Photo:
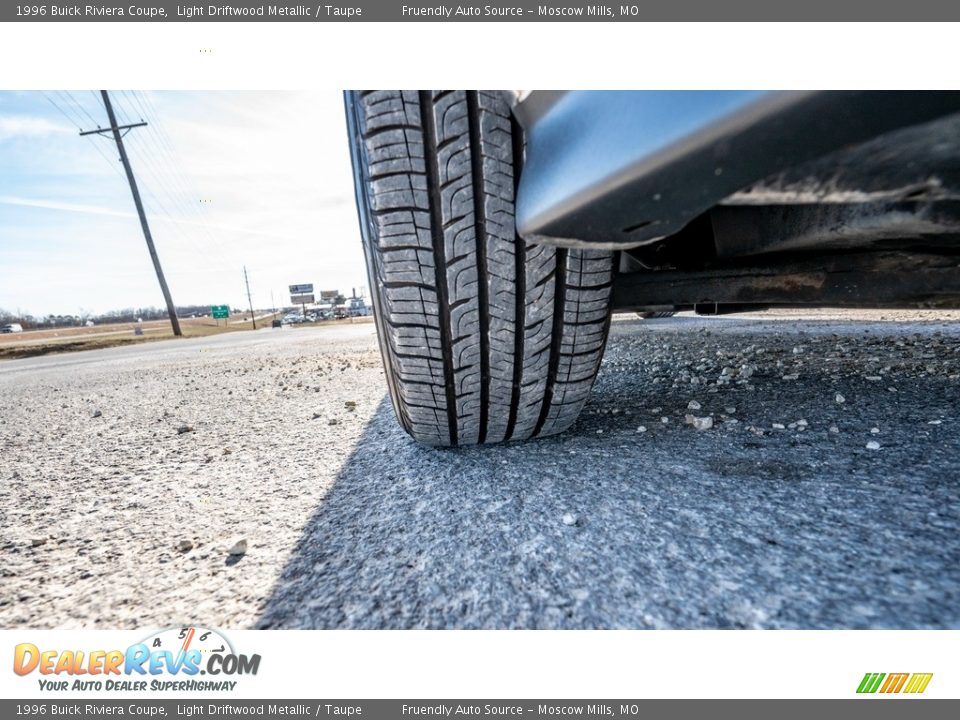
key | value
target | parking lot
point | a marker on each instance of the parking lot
(779, 470)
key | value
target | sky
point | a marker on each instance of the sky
(228, 179)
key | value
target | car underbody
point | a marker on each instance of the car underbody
(727, 201)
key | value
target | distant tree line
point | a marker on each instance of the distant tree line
(30, 322)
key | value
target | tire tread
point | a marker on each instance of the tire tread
(487, 338)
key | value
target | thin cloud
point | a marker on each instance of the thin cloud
(24, 126)
(96, 210)
(66, 207)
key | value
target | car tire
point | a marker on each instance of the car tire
(653, 315)
(505, 341)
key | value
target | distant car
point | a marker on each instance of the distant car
(11, 328)
(502, 229)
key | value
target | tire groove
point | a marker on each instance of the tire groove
(400, 284)
(480, 232)
(520, 291)
(431, 161)
(373, 132)
(556, 341)
(390, 174)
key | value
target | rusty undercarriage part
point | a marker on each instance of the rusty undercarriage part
(874, 279)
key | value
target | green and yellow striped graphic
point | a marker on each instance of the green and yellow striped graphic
(894, 682)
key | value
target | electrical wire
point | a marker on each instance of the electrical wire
(93, 123)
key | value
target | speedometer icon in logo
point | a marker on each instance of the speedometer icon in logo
(190, 650)
(184, 639)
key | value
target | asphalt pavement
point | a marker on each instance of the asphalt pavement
(764, 471)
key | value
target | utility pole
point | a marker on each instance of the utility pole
(118, 139)
(247, 281)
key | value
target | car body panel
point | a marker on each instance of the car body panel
(620, 169)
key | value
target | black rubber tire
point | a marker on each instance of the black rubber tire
(505, 342)
(648, 315)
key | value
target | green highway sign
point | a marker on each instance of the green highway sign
(220, 312)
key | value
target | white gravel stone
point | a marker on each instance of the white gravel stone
(839, 398)
(700, 423)
(693, 405)
(238, 548)
(569, 519)
(873, 445)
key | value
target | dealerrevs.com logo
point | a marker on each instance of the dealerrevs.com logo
(171, 659)
(888, 683)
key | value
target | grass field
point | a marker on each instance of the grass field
(42, 342)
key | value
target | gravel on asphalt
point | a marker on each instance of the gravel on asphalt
(760, 471)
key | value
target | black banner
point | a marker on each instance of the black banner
(202, 709)
(500, 11)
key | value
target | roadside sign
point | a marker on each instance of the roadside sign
(301, 299)
(220, 312)
(305, 289)
(329, 294)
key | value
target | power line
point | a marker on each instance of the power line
(134, 102)
(161, 167)
(162, 144)
(154, 164)
(111, 163)
(73, 121)
(93, 123)
(63, 112)
(121, 108)
(167, 144)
